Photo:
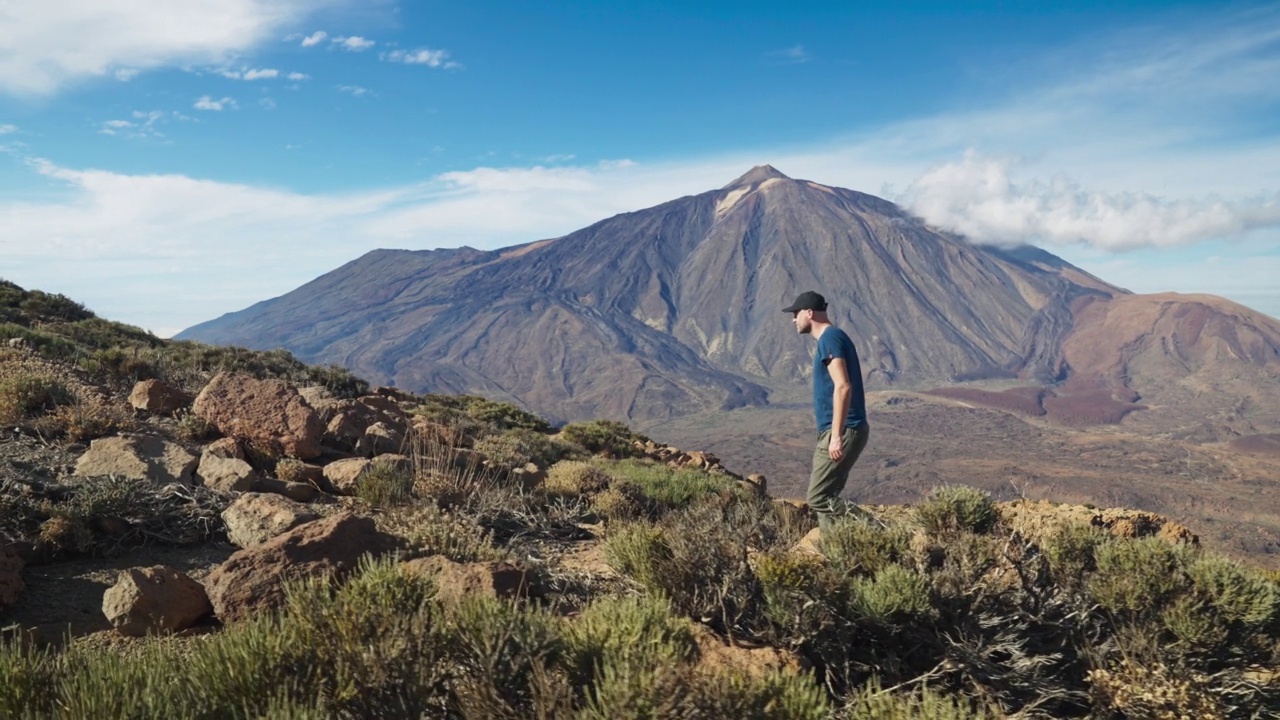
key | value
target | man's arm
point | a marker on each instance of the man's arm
(840, 405)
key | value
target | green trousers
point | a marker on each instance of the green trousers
(828, 478)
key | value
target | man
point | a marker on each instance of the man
(838, 404)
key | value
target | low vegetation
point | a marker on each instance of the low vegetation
(944, 612)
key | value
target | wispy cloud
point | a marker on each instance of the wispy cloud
(8, 128)
(314, 38)
(250, 73)
(297, 76)
(126, 74)
(144, 124)
(355, 90)
(795, 54)
(354, 43)
(50, 44)
(422, 56)
(208, 103)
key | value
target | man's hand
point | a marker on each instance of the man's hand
(836, 447)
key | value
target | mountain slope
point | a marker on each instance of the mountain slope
(675, 308)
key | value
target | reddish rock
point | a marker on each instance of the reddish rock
(255, 518)
(157, 396)
(343, 474)
(252, 580)
(267, 414)
(11, 584)
(455, 581)
(154, 600)
(226, 448)
(144, 458)
(382, 438)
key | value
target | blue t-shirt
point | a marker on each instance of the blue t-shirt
(834, 343)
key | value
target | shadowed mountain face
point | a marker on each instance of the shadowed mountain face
(675, 308)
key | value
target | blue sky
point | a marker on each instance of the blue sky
(165, 162)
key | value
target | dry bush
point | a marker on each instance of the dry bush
(956, 508)
(385, 484)
(575, 478)
(429, 531)
(1154, 691)
(621, 501)
(665, 488)
(604, 437)
(519, 446)
(24, 395)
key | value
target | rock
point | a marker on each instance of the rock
(226, 448)
(760, 482)
(226, 474)
(153, 600)
(384, 438)
(315, 395)
(252, 580)
(267, 414)
(11, 585)
(810, 543)
(456, 581)
(528, 477)
(145, 458)
(256, 517)
(299, 492)
(158, 396)
(343, 474)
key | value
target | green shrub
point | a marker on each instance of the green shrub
(864, 547)
(1226, 606)
(621, 501)
(665, 487)
(25, 395)
(25, 677)
(504, 416)
(429, 531)
(43, 307)
(1071, 552)
(519, 446)
(641, 552)
(504, 655)
(893, 594)
(957, 508)
(777, 695)
(871, 702)
(1137, 577)
(626, 631)
(604, 437)
(385, 483)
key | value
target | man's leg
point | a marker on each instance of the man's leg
(828, 478)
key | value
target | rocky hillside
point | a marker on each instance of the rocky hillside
(675, 308)
(235, 544)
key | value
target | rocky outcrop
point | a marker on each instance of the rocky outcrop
(151, 600)
(145, 458)
(343, 474)
(11, 585)
(159, 397)
(255, 518)
(269, 415)
(252, 580)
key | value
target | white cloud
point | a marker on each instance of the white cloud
(977, 197)
(354, 43)
(113, 127)
(267, 103)
(126, 74)
(7, 129)
(422, 56)
(355, 90)
(145, 124)
(208, 103)
(250, 73)
(49, 44)
(314, 38)
(296, 76)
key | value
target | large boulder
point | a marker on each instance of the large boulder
(152, 600)
(145, 458)
(267, 414)
(226, 474)
(255, 518)
(158, 396)
(11, 584)
(252, 580)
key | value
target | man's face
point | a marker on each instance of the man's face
(803, 320)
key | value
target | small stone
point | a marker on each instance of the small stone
(154, 600)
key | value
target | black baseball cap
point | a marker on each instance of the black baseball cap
(808, 300)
